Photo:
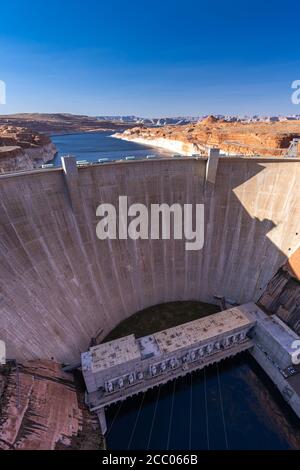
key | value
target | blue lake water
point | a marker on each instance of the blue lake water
(234, 406)
(229, 406)
(94, 145)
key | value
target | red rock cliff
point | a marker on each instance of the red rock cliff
(22, 149)
(266, 139)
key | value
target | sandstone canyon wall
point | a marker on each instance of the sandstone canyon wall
(232, 138)
(22, 149)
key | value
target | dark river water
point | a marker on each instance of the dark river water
(94, 145)
(229, 406)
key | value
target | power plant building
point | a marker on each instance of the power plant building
(130, 362)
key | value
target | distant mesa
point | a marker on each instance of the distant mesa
(211, 120)
(63, 123)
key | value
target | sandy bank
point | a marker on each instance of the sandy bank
(176, 146)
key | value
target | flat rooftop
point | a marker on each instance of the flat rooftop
(280, 332)
(122, 350)
(200, 330)
(113, 353)
(148, 347)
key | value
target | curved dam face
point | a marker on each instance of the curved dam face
(61, 285)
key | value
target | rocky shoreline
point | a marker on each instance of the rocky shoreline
(22, 149)
(249, 139)
(176, 146)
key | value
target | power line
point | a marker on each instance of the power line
(171, 416)
(153, 418)
(114, 419)
(191, 409)
(135, 423)
(222, 408)
(206, 410)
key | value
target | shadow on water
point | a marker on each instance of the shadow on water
(232, 405)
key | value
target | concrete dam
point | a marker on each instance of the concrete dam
(61, 285)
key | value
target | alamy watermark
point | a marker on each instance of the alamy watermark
(296, 353)
(2, 92)
(296, 94)
(163, 222)
(2, 353)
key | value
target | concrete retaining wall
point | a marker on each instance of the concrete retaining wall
(286, 390)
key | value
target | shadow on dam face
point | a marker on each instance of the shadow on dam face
(61, 285)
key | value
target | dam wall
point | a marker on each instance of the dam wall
(60, 285)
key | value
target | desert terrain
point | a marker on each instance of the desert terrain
(254, 138)
(23, 149)
(61, 123)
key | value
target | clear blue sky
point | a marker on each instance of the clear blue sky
(150, 58)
